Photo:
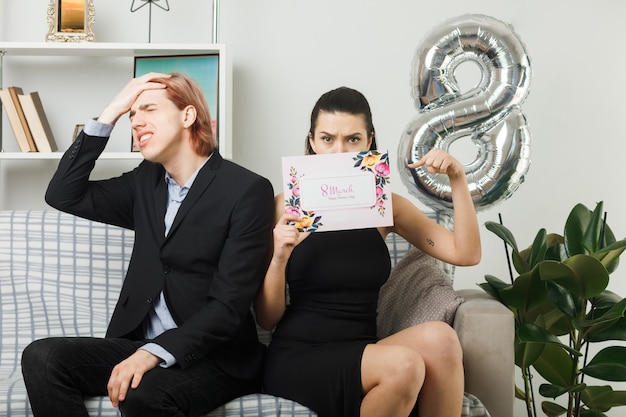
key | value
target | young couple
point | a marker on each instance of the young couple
(182, 339)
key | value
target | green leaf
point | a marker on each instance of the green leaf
(526, 293)
(575, 229)
(555, 391)
(616, 331)
(552, 409)
(609, 364)
(603, 397)
(605, 320)
(496, 282)
(552, 391)
(593, 233)
(556, 366)
(583, 235)
(491, 291)
(583, 230)
(551, 319)
(562, 298)
(556, 248)
(615, 245)
(591, 413)
(531, 333)
(609, 255)
(606, 300)
(494, 287)
(527, 353)
(503, 233)
(583, 275)
(538, 248)
(520, 262)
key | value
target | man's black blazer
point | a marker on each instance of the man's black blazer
(210, 265)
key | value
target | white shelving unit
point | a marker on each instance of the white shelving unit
(32, 55)
(76, 81)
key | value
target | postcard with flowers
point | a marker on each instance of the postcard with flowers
(338, 191)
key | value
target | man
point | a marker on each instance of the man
(182, 340)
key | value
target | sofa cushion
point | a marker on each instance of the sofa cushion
(418, 290)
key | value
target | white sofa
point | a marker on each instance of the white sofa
(60, 276)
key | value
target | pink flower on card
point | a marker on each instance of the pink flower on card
(292, 210)
(382, 170)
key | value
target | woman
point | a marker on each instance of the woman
(324, 352)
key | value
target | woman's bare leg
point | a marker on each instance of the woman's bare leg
(438, 345)
(392, 377)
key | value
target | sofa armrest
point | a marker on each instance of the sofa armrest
(486, 330)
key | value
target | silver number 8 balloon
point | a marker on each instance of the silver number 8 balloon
(490, 113)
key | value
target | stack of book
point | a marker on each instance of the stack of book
(28, 120)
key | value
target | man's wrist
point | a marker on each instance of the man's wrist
(94, 127)
(166, 358)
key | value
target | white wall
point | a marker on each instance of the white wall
(285, 53)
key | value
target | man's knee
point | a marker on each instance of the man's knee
(38, 355)
(135, 400)
(142, 401)
(42, 363)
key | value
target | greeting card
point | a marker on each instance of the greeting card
(338, 191)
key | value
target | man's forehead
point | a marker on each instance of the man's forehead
(148, 97)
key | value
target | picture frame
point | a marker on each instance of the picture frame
(71, 21)
(204, 68)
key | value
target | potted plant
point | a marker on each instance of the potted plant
(561, 306)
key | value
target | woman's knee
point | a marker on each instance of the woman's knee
(401, 367)
(409, 368)
(443, 345)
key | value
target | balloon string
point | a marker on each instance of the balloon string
(506, 251)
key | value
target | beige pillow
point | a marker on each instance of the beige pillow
(418, 290)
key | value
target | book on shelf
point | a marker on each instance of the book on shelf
(15, 92)
(38, 122)
(17, 119)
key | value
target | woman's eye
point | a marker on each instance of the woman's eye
(354, 139)
(326, 139)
